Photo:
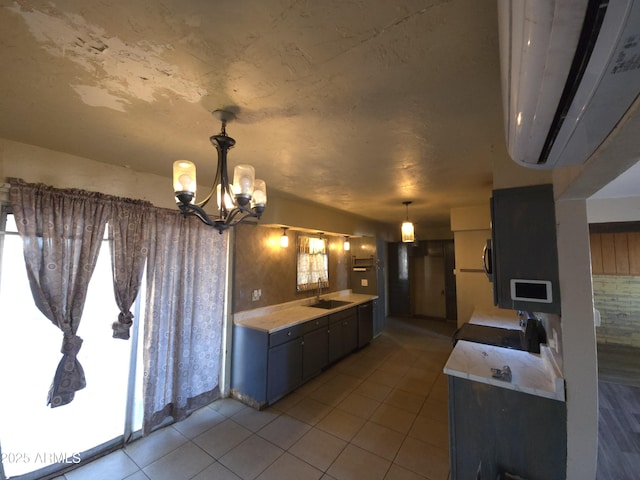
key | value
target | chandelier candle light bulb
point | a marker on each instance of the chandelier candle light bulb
(184, 180)
(228, 202)
(243, 183)
(259, 194)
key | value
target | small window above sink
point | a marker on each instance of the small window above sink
(330, 304)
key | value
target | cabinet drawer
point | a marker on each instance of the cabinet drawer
(343, 315)
(314, 324)
(284, 335)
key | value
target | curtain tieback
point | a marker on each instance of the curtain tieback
(69, 376)
(122, 327)
(71, 345)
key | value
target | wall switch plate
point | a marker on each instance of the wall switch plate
(364, 282)
(255, 295)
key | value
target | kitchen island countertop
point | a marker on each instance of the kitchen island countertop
(535, 374)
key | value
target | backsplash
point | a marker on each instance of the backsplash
(261, 265)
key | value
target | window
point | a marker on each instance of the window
(313, 263)
(33, 435)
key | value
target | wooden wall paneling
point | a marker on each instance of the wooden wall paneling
(608, 254)
(595, 239)
(622, 253)
(634, 253)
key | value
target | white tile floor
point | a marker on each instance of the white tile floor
(380, 413)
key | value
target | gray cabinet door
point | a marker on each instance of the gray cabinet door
(365, 324)
(500, 430)
(315, 352)
(284, 371)
(343, 333)
(335, 341)
(524, 243)
(349, 334)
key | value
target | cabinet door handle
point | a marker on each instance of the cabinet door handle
(288, 334)
(486, 261)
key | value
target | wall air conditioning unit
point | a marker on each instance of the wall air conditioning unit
(570, 72)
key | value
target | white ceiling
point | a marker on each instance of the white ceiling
(358, 104)
(624, 186)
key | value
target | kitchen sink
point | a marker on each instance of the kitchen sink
(329, 304)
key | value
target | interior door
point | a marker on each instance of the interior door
(428, 286)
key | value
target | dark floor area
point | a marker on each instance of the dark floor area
(619, 412)
(619, 364)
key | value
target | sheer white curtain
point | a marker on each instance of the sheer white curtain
(313, 263)
(186, 274)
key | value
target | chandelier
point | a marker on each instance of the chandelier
(238, 202)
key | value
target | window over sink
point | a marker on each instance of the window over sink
(312, 264)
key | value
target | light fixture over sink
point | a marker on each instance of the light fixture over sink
(284, 240)
(246, 198)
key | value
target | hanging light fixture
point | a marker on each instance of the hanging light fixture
(284, 240)
(238, 202)
(408, 235)
(346, 245)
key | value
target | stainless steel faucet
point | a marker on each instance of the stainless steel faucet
(319, 289)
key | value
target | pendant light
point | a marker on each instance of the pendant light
(346, 245)
(408, 235)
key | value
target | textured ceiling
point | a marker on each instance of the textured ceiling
(356, 104)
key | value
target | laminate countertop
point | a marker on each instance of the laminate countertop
(277, 317)
(531, 373)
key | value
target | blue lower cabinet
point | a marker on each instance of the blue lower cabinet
(284, 370)
(315, 352)
(267, 366)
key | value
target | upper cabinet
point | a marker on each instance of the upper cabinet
(525, 255)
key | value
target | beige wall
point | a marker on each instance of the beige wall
(261, 264)
(61, 170)
(507, 174)
(471, 228)
(604, 210)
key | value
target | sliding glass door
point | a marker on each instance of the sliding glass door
(33, 435)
